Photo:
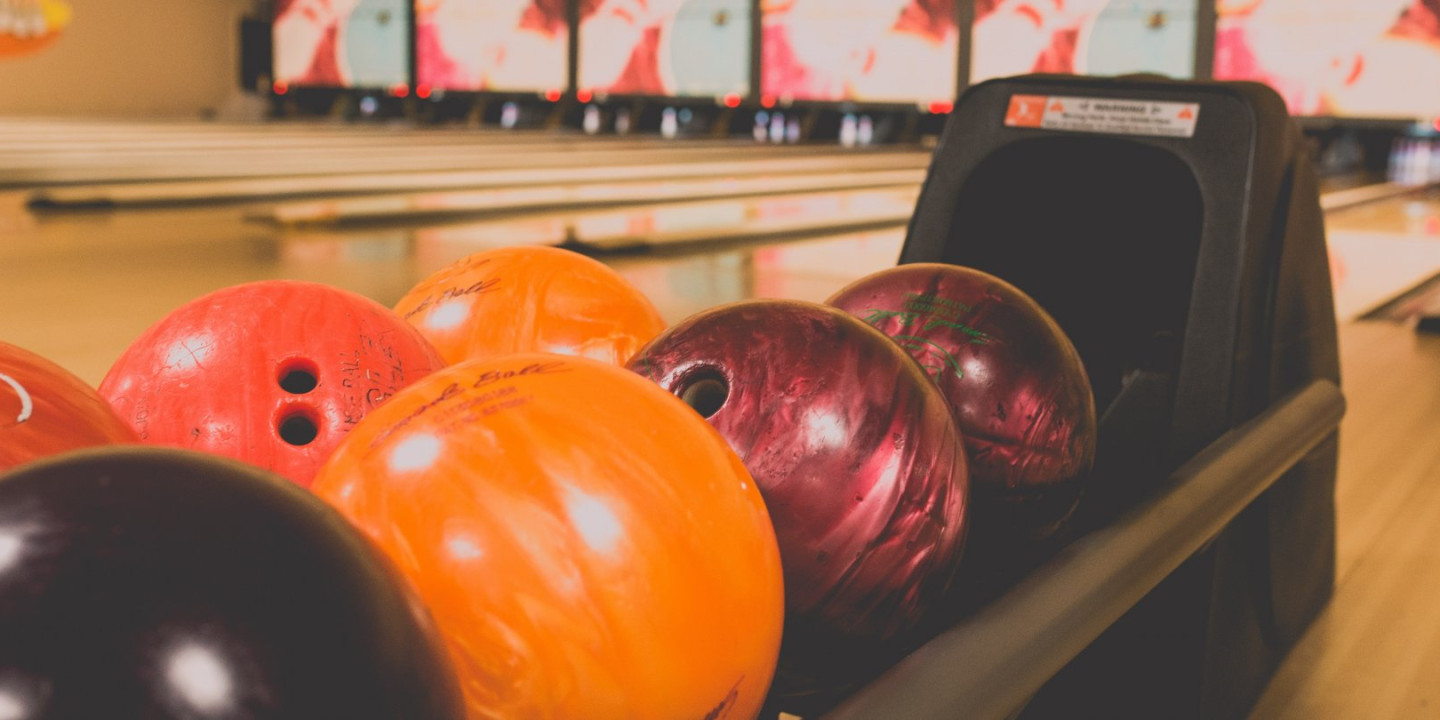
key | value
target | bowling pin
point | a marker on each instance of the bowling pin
(1420, 164)
(622, 121)
(777, 128)
(1413, 161)
(1392, 168)
(1432, 173)
(1432, 170)
(591, 123)
(1405, 164)
(865, 133)
(848, 131)
(762, 122)
(669, 124)
(509, 115)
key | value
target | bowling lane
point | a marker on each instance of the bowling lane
(1381, 249)
(258, 162)
(79, 288)
(587, 167)
(32, 155)
(1375, 651)
(688, 183)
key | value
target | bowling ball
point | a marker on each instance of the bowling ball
(1014, 381)
(145, 582)
(858, 460)
(588, 544)
(45, 410)
(531, 299)
(273, 373)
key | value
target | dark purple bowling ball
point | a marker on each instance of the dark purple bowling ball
(1014, 380)
(158, 583)
(858, 459)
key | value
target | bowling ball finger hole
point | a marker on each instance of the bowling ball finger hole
(299, 376)
(298, 426)
(705, 390)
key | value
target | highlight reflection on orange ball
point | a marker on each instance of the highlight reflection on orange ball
(589, 546)
(531, 299)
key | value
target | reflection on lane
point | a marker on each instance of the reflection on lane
(690, 182)
(692, 275)
(60, 276)
(806, 270)
(1379, 251)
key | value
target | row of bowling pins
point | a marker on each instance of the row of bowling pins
(775, 127)
(23, 19)
(769, 126)
(1415, 161)
(855, 130)
(671, 121)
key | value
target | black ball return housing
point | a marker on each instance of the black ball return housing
(1187, 262)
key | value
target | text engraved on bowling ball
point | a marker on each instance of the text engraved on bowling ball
(476, 288)
(476, 407)
(929, 312)
(364, 393)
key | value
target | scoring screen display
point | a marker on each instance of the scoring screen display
(901, 51)
(1376, 58)
(665, 47)
(342, 43)
(1086, 37)
(509, 45)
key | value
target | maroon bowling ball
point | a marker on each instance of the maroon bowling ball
(1014, 381)
(858, 459)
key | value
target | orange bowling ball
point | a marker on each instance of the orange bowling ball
(589, 546)
(531, 299)
(45, 410)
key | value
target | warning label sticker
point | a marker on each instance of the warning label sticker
(1103, 115)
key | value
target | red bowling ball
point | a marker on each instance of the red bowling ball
(1014, 380)
(45, 410)
(272, 373)
(859, 462)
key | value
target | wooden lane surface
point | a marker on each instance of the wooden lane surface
(1375, 651)
(572, 168)
(257, 162)
(78, 289)
(160, 133)
(433, 207)
(75, 156)
(43, 153)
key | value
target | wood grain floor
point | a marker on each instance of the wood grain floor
(1375, 652)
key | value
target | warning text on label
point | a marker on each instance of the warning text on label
(1103, 115)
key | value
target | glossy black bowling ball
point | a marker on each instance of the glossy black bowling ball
(156, 583)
